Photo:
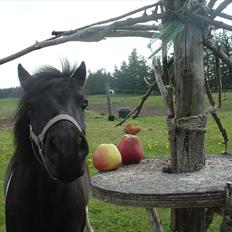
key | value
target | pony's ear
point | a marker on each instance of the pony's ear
(23, 74)
(80, 74)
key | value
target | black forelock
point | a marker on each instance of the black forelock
(48, 71)
(47, 77)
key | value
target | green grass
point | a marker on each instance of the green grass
(8, 107)
(128, 100)
(6, 149)
(106, 217)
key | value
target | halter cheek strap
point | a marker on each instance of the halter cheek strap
(39, 139)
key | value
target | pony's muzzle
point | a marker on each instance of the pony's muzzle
(65, 153)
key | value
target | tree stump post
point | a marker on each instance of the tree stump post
(110, 116)
(188, 127)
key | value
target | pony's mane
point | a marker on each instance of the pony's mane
(48, 77)
(49, 71)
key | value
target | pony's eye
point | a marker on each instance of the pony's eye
(84, 104)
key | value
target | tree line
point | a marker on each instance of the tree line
(135, 74)
(11, 92)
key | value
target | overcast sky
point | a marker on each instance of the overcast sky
(24, 22)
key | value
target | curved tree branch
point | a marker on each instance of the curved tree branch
(197, 18)
(137, 110)
(127, 27)
(211, 4)
(164, 92)
(215, 116)
(93, 34)
(58, 33)
(225, 16)
(220, 8)
(217, 51)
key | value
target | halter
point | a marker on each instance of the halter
(38, 140)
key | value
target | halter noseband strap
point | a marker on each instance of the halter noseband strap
(38, 139)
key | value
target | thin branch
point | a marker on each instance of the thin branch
(144, 98)
(147, 82)
(141, 27)
(209, 94)
(137, 110)
(214, 115)
(225, 16)
(220, 8)
(217, 51)
(108, 20)
(222, 129)
(208, 21)
(137, 27)
(169, 97)
(219, 81)
(143, 34)
(164, 92)
(211, 4)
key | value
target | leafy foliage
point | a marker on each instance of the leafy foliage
(10, 92)
(96, 81)
(224, 40)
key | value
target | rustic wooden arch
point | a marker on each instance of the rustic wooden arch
(186, 121)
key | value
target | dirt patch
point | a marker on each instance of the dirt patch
(146, 110)
(102, 109)
(6, 122)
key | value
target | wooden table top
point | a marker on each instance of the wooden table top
(146, 185)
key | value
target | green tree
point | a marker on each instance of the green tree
(96, 82)
(131, 74)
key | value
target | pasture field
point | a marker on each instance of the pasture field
(106, 217)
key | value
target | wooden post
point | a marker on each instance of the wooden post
(187, 141)
(189, 79)
(110, 116)
(154, 220)
(108, 98)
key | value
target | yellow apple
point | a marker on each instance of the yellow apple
(107, 157)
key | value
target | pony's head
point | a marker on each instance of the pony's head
(53, 107)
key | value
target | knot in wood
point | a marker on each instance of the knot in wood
(192, 123)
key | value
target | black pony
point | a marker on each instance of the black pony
(47, 181)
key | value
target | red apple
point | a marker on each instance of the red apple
(131, 149)
(107, 157)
